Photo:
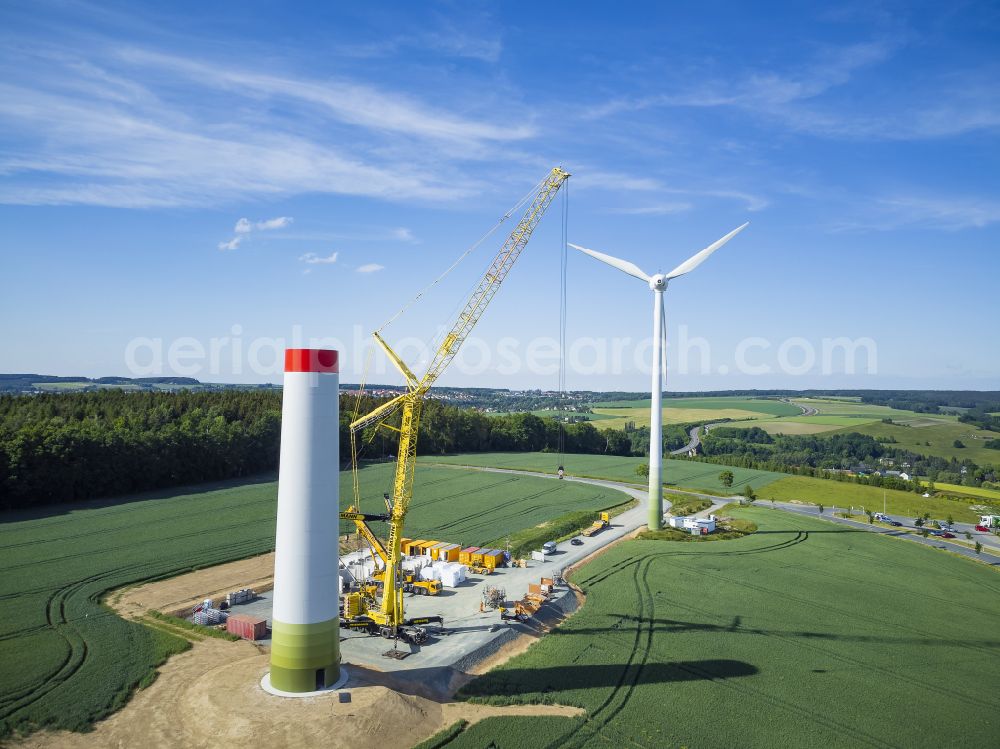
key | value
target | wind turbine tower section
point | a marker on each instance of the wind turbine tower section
(305, 628)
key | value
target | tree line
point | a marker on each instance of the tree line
(70, 447)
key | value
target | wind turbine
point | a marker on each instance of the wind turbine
(658, 284)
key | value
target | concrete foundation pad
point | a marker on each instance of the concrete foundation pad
(265, 684)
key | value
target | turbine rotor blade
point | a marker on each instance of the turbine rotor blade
(700, 257)
(623, 265)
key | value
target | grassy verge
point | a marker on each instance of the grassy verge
(846, 494)
(689, 505)
(523, 542)
(196, 629)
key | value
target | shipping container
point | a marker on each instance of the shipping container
(246, 626)
(435, 550)
(493, 559)
(465, 555)
(413, 548)
(449, 552)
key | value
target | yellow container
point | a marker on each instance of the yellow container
(465, 555)
(413, 547)
(436, 549)
(449, 552)
(493, 558)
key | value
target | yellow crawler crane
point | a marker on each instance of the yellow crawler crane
(388, 619)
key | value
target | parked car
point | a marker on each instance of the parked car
(947, 534)
(576, 541)
(895, 523)
(549, 547)
(937, 534)
(982, 529)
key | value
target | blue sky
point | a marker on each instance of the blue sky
(296, 172)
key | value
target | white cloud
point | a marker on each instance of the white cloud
(99, 130)
(313, 259)
(232, 244)
(657, 209)
(948, 213)
(347, 101)
(370, 268)
(274, 223)
(814, 98)
(243, 226)
(403, 234)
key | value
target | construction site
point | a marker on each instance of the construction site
(393, 603)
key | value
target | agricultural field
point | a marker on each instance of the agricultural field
(844, 494)
(987, 495)
(687, 410)
(804, 634)
(686, 474)
(68, 660)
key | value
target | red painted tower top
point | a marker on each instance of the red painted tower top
(311, 360)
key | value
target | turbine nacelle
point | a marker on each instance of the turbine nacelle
(658, 282)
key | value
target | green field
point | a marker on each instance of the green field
(758, 405)
(614, 414)
(686, 474)
(804, 634)
(67, 660)
(844, 494)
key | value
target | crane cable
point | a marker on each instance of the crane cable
(563, 261)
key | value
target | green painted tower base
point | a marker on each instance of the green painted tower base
(305, 657)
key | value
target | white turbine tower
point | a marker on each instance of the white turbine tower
(658, 284)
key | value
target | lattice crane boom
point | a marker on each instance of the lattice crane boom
(410, 403)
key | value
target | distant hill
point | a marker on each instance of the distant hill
(38, 383)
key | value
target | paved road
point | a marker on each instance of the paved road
(806, 410)
(467, 629)
(991, 543)
(992, 559)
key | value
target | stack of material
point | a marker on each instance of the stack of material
(240, 596)
(452, 574)
(414, 564)
(208, 617)
(430, 572)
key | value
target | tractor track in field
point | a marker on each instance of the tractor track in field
(832, 609)
(630, 674)
(59, 621)
(812, 643)
(800, 537)
(116, 529)
(507, 505)
(646, 602)
(190, 534)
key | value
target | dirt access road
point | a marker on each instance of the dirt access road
(210, 696)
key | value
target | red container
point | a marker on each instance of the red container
(246, 626)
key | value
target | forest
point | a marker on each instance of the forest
(70, 447)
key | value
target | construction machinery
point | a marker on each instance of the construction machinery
(387, 614)
(599, 525)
